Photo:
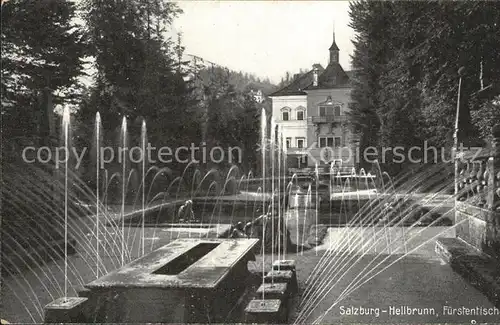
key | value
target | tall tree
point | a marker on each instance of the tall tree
(407, 55)
(369, 20)
(138, 70)
(232, 117)
(42, 51)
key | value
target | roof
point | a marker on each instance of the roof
(333, 77)
(298, 85)
(334, 46)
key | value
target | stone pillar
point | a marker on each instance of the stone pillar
(492, 236)
(66, 310)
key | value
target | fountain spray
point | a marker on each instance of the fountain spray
(98, 159)
(66, 122)
(272, 151)
(316, 170)
(263, 126)
(286, 195)
(280, 143)
(143, 145)
(124, 182)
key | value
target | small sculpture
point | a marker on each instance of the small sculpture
(186, 213)
(238, 231)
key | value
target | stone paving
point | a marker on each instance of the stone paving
(420, 281)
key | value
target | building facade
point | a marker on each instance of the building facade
(257, 95)
(312, 111)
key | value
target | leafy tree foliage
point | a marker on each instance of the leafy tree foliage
(137, 71)
(408, 55)
(42, 51)
(231, 115)
(486, 117)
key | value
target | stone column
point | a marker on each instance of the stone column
(492, 236)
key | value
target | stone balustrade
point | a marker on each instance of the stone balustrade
(477, 186)
(478, 178)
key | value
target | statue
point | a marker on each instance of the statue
(186, 213)
(262, 228)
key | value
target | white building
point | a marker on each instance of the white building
(257, 95)
(312, 111)
(289, 110)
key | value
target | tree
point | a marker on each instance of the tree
(368, 19)
(486, 117)
(232, 117)
(42, 51)
(140, 74)
(407, 57)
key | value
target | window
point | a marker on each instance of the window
(330, 141)
(337, 110)
(302, 162)
(300, 115)
(329, 110)
(300, 143)
(285, 116)
(288, 142)
(323, 111)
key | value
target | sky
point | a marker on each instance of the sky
(266, 38)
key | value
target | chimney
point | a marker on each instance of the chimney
(315, 76)
(296, 76)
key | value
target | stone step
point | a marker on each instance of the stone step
(276, 290)
(284, 265)
(284, 276)
(268, 311)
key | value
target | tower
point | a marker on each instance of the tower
(334, 49)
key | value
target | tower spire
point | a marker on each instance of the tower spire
(334, 49)
(334, 30)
